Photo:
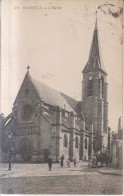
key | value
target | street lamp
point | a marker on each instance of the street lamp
(10, 150)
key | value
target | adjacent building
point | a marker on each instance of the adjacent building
(117, 146)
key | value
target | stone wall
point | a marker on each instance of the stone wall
(117, 153)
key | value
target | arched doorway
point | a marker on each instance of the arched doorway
(26, 149)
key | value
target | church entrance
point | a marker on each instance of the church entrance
(26, 149)
(46, 154)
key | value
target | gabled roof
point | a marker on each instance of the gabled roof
(54, 97)
(51, 96)
(72, 102)
(95, 59)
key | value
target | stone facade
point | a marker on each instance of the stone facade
(117, 153)
(45, 122)
(94, 94)
(49, 131)
(116, 146)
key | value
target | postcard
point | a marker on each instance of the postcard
(61, 97)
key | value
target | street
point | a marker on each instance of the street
(36, 179)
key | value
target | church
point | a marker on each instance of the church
(45, 122)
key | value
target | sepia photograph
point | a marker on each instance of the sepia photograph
(61, 103)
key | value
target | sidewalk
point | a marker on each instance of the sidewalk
(110, 171)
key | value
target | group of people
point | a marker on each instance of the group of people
(103, 158)
(62, 162)
(67, 161)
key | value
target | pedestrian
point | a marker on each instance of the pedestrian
(61, 160)
(94, 161)
(68, 162)
(50, 164)
(75, 162)
(10, 157)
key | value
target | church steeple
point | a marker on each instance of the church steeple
(94, 93)
(95, 60)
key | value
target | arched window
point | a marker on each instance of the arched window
(85, 143)
(93, 144)
(102, 79)
(90, 87)
(65, 141)
(86, 128)
(76, 142)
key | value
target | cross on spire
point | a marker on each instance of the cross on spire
(96, 20)
(28, 67)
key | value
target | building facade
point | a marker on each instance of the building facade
(116, 144)
(45, 122)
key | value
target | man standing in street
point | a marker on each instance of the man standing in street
(50, 163)
(10, 151)
(62, 159)
(75, 162)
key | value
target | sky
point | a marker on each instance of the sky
(54, 37)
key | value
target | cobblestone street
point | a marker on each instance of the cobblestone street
(36, 179)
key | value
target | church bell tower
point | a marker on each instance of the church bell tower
(94, 94)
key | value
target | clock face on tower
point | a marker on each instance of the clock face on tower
(90, 77)
(27, 112)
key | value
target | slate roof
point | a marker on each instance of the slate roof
(72, 102)
(95, 57)
(54, 97)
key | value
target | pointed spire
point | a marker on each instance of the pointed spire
(95, 60)
(96, 21)
(120, 129)
(119, 123)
